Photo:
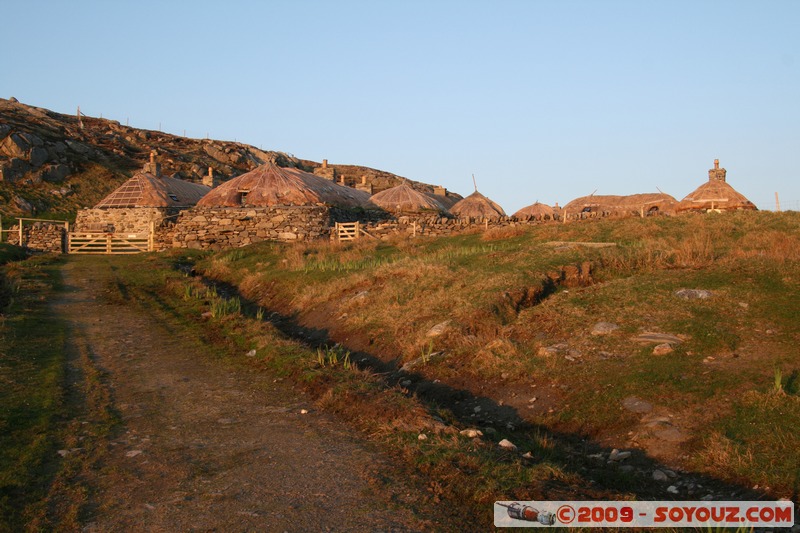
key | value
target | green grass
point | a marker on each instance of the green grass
(392, 292)
(32, 365)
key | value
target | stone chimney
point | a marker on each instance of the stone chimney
(210, 180)
(440, 191)
(364, 186)
(153, 167)
(325, 171)
(717, 173)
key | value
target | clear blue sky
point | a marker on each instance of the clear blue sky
(541, 100)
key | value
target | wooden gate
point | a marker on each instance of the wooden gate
(109, 243)
(347, 231)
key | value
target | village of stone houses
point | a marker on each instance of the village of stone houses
(200, 335)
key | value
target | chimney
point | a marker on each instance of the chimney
(324, 163)
(209, 180)
(153, 167)
(440, 191)
(717, 173)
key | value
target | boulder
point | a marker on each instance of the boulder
(663, 349)
(438, 329)
(39, 156)
(14, 146)
(32, 139)
(693, 294)
(13, 170)
(54, 173)
(604, 328)
(636, 405)
(4, 130)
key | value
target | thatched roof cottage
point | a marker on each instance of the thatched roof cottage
(715, 195)
(145, 199)
(630, 205)
(271, 185)
(477, 205)
(404, 199)
(537, 211)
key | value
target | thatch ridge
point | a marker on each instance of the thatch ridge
(405, 199)
(271, 185)
(477, 205)
(714, 194)
(147, 190)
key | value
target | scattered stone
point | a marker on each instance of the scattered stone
(471, 433)
(507, 444)
(658, 475)
(598, 456)
(489, 430)
(303, 411)
(133, 453)
(672, 489)
(527, 455)
(660, 338)
(533, 399)
(626, 469)
(438, 329)
(360, 296)
(477, 409)
(663, 349)
(553, 350)
(251, 353)
(225, 421)
(405, 383)
(637, 405)
(63, 453)
(744, 305)
(617, 455)
(207, 314)
(694, 294)
(604, 328)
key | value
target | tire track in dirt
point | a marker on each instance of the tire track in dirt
(209, 446)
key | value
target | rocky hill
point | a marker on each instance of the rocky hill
(52, 164)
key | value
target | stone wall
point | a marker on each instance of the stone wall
(218, 228)
(440, 226)
(43, 237)
(121, 220)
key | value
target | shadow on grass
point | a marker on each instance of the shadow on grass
(573, 453)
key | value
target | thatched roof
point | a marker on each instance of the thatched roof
(630, 204)
(148, 190)
(536, 210)
(714, 194)
(405, 199)
(271, 185)
(477, 205)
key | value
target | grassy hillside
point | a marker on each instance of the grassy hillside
(516, 311)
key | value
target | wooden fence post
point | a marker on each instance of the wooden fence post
(20, 232)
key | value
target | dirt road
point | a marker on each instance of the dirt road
(207, 446)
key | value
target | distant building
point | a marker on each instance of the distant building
(715, 195)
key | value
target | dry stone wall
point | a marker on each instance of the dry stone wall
(42, 237)
(437, 226)
(121, 220)
(219, 228)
